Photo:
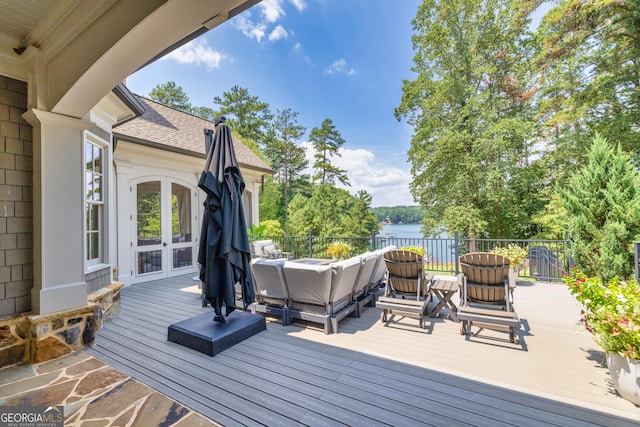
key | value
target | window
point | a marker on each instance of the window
(94, 202)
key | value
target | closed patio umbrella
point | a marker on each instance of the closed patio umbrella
(224, 255)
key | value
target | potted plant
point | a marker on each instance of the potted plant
(518, 260)
(416, 249)
(611, 313)
(338, 249)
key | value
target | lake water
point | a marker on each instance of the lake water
(402, 230)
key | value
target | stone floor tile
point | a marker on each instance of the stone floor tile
(95, 423)
(93, 394)
(195, 420)
(114, 401)
(88, 365)
(62, 362)
(158, 410)
(124, 419)
(22, 385)
(49, 395)
(16, 373)
(99, 380)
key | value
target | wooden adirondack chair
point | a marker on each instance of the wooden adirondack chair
(487, 299)
(405, 279)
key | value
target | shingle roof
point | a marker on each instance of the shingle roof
(166, 128)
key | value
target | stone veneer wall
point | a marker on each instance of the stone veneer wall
(38, 338)
(16, 202)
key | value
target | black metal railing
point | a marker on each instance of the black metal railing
(549, 260)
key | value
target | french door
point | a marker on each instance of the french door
(163, 224)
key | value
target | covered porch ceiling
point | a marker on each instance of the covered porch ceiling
(73, 52)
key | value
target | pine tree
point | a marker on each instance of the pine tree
(171, 94)
(285, 156)
(602, 200)
(249, 117)
(327, 141)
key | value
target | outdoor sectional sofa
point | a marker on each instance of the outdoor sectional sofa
(322, 294)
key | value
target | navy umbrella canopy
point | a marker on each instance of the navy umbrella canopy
(224, 255)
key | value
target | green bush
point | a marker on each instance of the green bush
(602, 201)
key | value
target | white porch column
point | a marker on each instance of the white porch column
(58, 238)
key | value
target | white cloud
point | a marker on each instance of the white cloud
(339, 66)
(272, 10)
(297, 47)
(387, 185)
(197, 52)
(249, 28)
(298, 4)
(278, 33)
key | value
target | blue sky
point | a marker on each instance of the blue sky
(341, 60)
(338, 59)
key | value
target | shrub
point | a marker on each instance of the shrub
(339, 249)
(518, 256)
(602, 201)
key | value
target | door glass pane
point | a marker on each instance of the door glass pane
(149, 214)
(149, 261)
(182, 257)
(180, 213)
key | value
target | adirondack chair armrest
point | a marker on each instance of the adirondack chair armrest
(508, 291)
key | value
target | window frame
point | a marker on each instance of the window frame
(93, 140)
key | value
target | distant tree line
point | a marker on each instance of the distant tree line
(400, 214)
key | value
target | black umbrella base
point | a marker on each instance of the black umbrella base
(203, 334)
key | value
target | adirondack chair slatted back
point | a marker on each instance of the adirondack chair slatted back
(487, 270)
(405, 271)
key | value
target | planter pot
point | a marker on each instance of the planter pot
(625, 374)
(513, 277)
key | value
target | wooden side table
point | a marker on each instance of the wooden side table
(444, 290)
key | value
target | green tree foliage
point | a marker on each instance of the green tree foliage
(331, 211)
(204, 112)
(250, 117)
(171, 94)
(360, 220)
(283, 153)
(327, 141)
(590, 72)
(551, 221)
(272, 228)
(603, 203)
(470, 107)
(271, 204)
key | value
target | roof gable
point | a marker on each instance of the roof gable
(170, 129)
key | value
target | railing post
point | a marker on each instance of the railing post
(456, 251)
(373, 241)
(310, 243)
(636, 246)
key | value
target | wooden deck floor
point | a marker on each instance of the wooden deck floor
(370, 373)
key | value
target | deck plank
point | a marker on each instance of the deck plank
(368, 374)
